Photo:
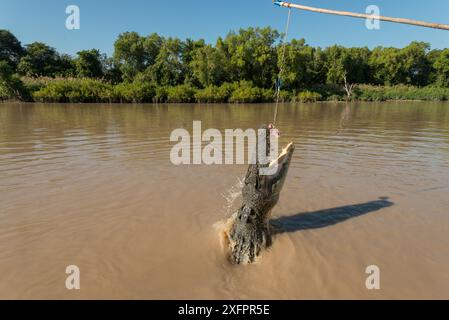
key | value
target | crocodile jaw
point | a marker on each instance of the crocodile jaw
(283, 155)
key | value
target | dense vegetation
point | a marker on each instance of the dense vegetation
(242, 67)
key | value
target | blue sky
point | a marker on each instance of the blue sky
(103, 20)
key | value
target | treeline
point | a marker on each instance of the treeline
(242, 67)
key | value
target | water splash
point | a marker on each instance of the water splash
(231, 195)
(230, 211)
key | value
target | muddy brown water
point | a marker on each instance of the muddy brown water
(93, 186)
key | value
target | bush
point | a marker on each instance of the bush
(90, 90)
(369, 93)
(334, 98)
(181, 94)
(330, 92)
(11, 87)
(35, 84)
(400, 92)
(4, 92)
(161, 95)
(75, 90)
(268, 95)
(208, 95)
(214, 94)
(134, 92)
(286, 96)
(307, 96)
(245, 92)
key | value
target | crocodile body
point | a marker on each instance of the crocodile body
(250, 232)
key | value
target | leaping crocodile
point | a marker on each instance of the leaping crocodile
(250, 230)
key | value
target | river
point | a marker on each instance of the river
(93, 186)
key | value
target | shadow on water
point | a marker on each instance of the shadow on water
(328, 217)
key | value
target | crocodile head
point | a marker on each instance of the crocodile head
(264, 182)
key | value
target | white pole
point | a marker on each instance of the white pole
(364, 16)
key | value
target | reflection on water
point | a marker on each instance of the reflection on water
(92, 185)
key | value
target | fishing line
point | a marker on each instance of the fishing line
(281, 68)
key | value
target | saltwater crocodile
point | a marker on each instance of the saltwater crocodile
(250, 230)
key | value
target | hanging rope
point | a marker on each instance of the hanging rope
(281, 68)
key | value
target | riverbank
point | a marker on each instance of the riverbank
(240, 68)
(85, 90)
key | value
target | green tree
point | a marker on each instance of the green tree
(6, 71)
(129, 54)
(10, 85)
(356, 65)
(89, 64)
(297, 64)
(410, 65)
(337, 63)
(39, 60)
(441, 66)
(387, 66)
(188, 53)
(65, 66)
(152, 45)
(347, 67)
(168, 69)
(111, 70)
(253, 55)
(318, 67)
(10, 48)
(210, 66)
(134, 54)
(416, 65)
